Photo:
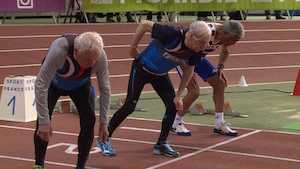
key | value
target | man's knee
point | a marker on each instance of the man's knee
(193, 91)
(217, 83)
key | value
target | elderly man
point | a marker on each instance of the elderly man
(66, 70)
(224, 35)
(170, 47)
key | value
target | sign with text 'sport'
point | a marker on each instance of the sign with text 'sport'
(17, 101)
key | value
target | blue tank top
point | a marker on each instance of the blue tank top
(167, 49)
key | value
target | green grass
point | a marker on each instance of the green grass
(268, 106)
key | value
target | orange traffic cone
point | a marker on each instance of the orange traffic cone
(227, 106)
(297, 86)
(200, 108)
(122, 99)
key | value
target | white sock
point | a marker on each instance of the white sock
(219, 118)
(178, 119)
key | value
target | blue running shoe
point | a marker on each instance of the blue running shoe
(225, 129)
(165, 149)
(106, 147)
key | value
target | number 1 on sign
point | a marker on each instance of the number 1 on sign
(13, 99)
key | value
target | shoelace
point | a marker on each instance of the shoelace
(166, 144)
(226, 124)
(108, 145)
(182, 127)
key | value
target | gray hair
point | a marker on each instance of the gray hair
(200, 28)
(233, 27)
(88, 41)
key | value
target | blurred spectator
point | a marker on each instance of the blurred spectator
(236, 15)
(159, 16)
(110, 19)
(202, 16)
(277, 13)
(221, 14)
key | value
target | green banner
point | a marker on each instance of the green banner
(97, 6)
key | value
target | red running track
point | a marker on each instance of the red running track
(268, 53)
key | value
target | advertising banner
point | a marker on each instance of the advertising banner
(32, 5)
(186, 5)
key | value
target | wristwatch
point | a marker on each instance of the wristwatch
(220, 66)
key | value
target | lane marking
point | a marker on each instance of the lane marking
(259, 156)
(24, 50)
(199, 150)
(55, 36)
(72, 148)
(129, 33)
(46, 162)
(202, 150)
(131, 59)
(144, 45)
(227, 69)
(271, 30)
(140, 129)
(270, 41)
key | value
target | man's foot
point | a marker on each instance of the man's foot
(225, 129)
(268, 17)
(181, 130)
(165, 149)
(106, 147)
(38, 167)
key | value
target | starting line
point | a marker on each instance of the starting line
(198, 149)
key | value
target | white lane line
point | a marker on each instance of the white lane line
(19, 66)
(209, 149)
(130, 59)
(46, 162)
(143, 45)
(199, 150)
(129, 33)
(270, 41)
(271, 30)
(28, 36)
(202, 150)
(258, 156)
(140, 129)
(24, 50)
(263, 67)
(55, 36)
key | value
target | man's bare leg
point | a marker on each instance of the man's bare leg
(192, 94)
(219, 98)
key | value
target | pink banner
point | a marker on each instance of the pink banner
(32, 5)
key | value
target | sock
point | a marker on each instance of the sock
(219, 118)
(178, 119)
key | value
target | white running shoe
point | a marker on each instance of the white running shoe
(181, 130)
(225, 129)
